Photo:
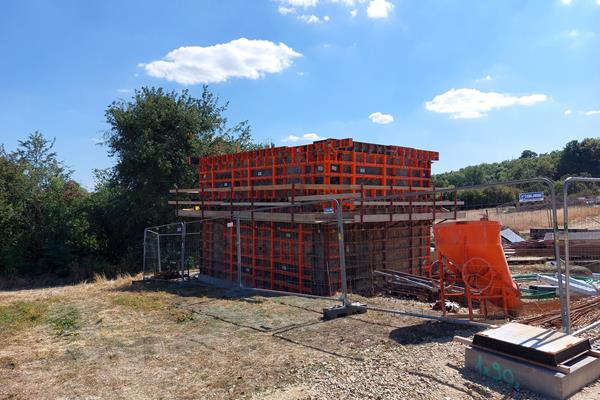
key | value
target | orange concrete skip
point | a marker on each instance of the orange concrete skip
(475, 249)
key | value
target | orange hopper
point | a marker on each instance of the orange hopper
(474, 249)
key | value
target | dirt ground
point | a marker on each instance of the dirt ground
(107, 340)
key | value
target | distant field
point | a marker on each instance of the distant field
(522, 221)
(107, 341)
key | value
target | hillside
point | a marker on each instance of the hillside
(576, 158)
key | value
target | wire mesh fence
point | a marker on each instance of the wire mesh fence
(290, 249)
(463, 244)
(581, 235)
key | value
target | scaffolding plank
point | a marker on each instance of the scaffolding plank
(407, 217)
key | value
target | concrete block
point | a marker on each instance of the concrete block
(546, 381)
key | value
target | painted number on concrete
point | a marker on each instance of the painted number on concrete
(496, 371)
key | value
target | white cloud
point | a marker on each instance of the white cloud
(300, 3)
(598, 2)
(306, 137)
(380, 118)
(566, 2)
(354, 12)
(592, 112)
(286, 10)
(240, 58)
(124, 91)
(486, 78)
(349, 3)
(313, 19)
(472, 103)
(379, 9)
(568, 112)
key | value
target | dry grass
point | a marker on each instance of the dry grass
(522, 221)
(104, 340)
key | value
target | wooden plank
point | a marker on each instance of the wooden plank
(195, 191)
(326, 196)
(462, 340)
(227, 203)
(317, 217)
(548, 346)
(311, 218)
(407, 217)
(299, 186)
(408, 203)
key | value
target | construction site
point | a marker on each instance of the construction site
(331, 270)
(354, 222)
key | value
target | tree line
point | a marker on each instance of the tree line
(577, 158)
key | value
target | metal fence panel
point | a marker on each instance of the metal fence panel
(581, 234)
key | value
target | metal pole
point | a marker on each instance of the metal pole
(158, 251)
(144, 255)
(342, 251)
(238, 241)
(182, 250)
(561, 292)
(567, 322)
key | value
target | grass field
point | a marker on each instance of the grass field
(522, 221)
(105, 340)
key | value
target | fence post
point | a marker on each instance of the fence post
(561, 291)
(238, 242)
(158, 248)
(567, 266)
(144, 256)
(566, 241)
(182, 251)
(342, 251)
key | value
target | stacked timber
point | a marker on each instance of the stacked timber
(583, 245)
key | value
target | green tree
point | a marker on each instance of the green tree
(151, 137)
(41, 211)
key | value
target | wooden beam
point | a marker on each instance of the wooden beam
(326, 196)
(227, 203)
(406, 217)
(406, 203)
(316, 217)
(299, 186)
(311, 218)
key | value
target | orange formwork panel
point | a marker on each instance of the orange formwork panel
(474, 249)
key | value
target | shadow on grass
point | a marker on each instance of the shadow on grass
(431, 332)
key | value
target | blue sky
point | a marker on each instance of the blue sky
(478, 81)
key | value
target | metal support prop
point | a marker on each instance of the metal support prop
(144, 255)
(342, 251)
(567, 321)
(158, 250)
(238, 243)
(182, 266)
(561, 291)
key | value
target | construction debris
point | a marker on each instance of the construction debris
(583, 312)
(577, 286)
